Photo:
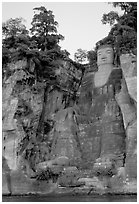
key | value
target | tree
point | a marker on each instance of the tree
(124, 27)
(127, 7)
(128, 18)
(14, 34)
(92, 58)
(80, 56)
(110, 18)
(13, 27)
(41, 48)
(15, 37)
(44, 29)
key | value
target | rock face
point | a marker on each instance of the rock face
(85, 138)
(129, 67)
(20, 106)
(10, 135)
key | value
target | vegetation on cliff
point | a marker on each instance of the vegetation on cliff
(123, 33)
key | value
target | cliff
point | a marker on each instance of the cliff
(55, 157)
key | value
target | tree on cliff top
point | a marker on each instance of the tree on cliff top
(123, 33)
(124, 27)
(128, 18)
(44, 29)
(92, 57)
(14, 36)
(40, 48)
(80, 55)
(13, 27)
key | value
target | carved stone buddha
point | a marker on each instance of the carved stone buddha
(99, 114)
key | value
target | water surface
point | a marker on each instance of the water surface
(69, 198)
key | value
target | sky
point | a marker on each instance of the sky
(79, 22)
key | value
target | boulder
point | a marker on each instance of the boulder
(104, 166)
(92, 182)
(69, 178)
(131, 187)
(59, 161)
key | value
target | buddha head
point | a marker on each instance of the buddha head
(105, 55)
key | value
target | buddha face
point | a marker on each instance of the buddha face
(105, 55)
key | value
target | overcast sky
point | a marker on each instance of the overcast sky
(79, 22)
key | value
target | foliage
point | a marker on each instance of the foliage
(41, 48)
(44, 29)
(110, 18)
(80, 56)
(128, 18)
(13, 27)
(123, 33)
(15, 35)
(127, 7)
(124, 28)
(92, 57)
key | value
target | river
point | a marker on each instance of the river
(79, 198)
